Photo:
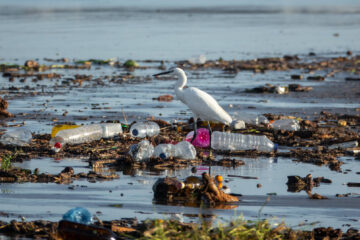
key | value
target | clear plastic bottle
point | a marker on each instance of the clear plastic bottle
(86, 133)
(78, 215)
(251, 119)
(351, 144)
(141, 151)
(185, 150)
(164, 151)
(236, 141)
(143, 129)
(286, 124)
(17, 137)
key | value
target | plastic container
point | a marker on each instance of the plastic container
(286, 124)
(236, 141)
(17, 137)
(201, 59)
(238, 124)
(184, 150)
(86, 133)
(202, 138)
(253, 119)
(144, 129)
(78, 215)
(141, 151)
(164, 151)
(351, 144)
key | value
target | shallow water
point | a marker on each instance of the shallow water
(161, 29)
(132, 196)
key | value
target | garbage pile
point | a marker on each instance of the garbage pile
(269, 88)
(192, 190)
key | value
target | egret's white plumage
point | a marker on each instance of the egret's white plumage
(202, 105)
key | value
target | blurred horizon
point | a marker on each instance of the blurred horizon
(168, 30)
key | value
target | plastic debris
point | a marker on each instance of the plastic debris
(61, 127)
(252, 119)
(86, 133)
(351, 144)
(144, 129)
(78, 215)
(183, 150)
(202, 138)
(17, 137)
(286, 124)
(238, 124)
(141, 151)
(201, 59)
(237, 141)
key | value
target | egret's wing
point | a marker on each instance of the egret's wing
(204, 105)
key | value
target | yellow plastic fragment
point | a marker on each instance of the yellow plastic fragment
(58, 128)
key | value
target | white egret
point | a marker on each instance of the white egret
(202, 105)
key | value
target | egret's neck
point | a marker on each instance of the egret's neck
(180, 84)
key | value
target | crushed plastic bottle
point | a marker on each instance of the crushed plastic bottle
(17, 137)
(184, 150)
(85, 133)
(144, 129)
(78, 215)
(141, 151)
(236, 141)
(252, 119)
(164, 151)
(286, 124)
(351, 144)
(202, 138)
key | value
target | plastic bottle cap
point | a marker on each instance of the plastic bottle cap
(135, 132)
(219, 178)
(276, 146)
(162, 156)
(57, 145)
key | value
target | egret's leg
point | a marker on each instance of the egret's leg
(195, 129)
(210, 133)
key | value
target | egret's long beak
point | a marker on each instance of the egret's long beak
(162, 73)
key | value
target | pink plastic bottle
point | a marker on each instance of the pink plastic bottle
(202, 138)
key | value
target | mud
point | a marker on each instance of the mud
(260, 65)
(66, 176)
(3, 106)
